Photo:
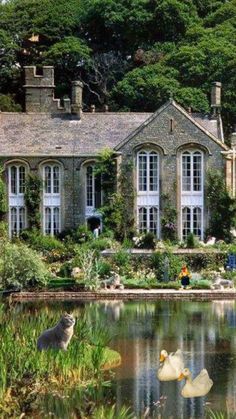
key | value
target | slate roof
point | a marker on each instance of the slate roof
(45, 135)
(29, 134)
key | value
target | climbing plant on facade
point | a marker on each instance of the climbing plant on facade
(3, 195)
(117, 194)
(33, 188)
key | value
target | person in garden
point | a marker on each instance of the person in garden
(184, 276)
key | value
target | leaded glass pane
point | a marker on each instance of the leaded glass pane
(197, 172)
(56, 220)
(186, 222)
(47, 220)
(89, 185)
(48, 179)
(186, 172)
(197, 222)
(142, 173)
(13, 220)
(153, 172)
(153, 220)
(21, 179)
(13, 171)
(56, 180)
(21, 219)
(142, 212)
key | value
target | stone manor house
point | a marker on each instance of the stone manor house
(171, 150)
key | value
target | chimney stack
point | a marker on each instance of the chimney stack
(76, 103)
(216, 97)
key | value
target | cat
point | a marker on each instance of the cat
(59, 336)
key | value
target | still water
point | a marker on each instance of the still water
(205, 331)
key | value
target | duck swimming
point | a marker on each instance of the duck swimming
(172, 365)
(198, 387)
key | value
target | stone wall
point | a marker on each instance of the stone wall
(185, 135)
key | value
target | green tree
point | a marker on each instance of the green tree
(221, 206)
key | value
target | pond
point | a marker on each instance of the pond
(205, 331)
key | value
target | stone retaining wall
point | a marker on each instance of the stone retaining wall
(126, 295)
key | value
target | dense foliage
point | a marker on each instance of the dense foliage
(131, 55)
(223, 207)
(21, 267)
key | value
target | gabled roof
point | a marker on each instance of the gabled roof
(39, 134)
(208, 126)
(23, 134)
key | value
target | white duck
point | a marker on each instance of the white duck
(172, 365)
(198, 387)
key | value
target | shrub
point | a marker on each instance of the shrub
(158, 263)
(122, 260)
(104, 268)
(40, 242)
(21, 267)
(146, 241)
(101, 243)
(191, 241)
(200, 284)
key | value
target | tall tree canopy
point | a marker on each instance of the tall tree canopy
(131, 54)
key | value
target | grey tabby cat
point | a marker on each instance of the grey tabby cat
(59, 336)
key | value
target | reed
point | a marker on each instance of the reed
(26, 373)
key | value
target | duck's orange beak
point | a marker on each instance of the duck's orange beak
(162, 358)
(181, 377)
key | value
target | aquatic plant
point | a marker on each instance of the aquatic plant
(26, 373)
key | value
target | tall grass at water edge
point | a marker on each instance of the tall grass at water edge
(25, 371)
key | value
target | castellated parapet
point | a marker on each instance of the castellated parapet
(39, 92)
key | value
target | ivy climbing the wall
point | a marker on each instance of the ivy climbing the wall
(117, 194)
(33, 188)
(3, 196)
(168, 219)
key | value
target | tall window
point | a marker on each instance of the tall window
(148, 171)
(52, 179)
(192, 171)
(148, 220)
(191, 222)
(16, 190)
(148, 191)
(192, 193)
(52, 199)
(93, 188)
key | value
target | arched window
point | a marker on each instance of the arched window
(148, 191)
(192, 193)
(52, 179)
(148, 171)
(52, 198)
(17, 179)
(192, 222)
(192, 171)
(16, 190)
(93, 190)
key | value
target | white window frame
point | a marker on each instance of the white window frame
(148, 218)
(16, 199)
(93, 186)
(52, 200)
(148, 154)
(192, 208)
(191, 154)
